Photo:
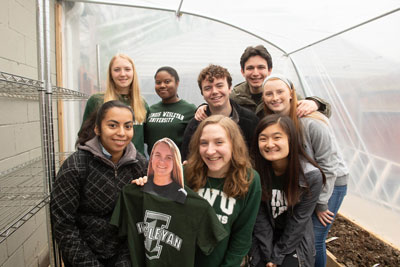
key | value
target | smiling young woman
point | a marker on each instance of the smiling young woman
(291, 183)
(219, 170)
(122, 85)
(115, 132)
(320, 144)
(215, 150)
(165, 174)
(169, 117)
(87, 187)
(162, 163)
(165, 221)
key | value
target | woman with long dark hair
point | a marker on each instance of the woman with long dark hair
(291, 183)
(87, 187)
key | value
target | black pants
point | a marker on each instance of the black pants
(106, 262)
(290, 260)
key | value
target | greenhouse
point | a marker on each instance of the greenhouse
(55, 54)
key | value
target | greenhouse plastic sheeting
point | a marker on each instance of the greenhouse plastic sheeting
(344, 51)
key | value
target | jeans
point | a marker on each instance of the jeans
(320, 231)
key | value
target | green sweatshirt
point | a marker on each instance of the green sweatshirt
(237, 215)
(168, 120)
(162, 232)
(96, 100)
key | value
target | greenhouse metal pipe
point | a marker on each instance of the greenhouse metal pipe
(98, 65)
(178, 11)
(181, 12)
(49, 91)
(343, 31)
(43, 123)
(42, 107)
(298, 74)
(43, 43)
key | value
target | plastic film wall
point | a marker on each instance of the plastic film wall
(358, 72)
(152, 39)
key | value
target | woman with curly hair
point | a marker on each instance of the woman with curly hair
(219, 170)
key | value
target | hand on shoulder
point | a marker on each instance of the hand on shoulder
(200, 114)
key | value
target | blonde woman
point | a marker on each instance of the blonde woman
(123, 85)
(165, 174)
(320, 144)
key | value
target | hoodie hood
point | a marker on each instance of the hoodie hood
(94, 147)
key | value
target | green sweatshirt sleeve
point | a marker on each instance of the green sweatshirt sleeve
(146, 137)
(147, 108)
(242, 229)
(92, 104)
(138, 137)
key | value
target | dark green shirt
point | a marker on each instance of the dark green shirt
(96, 100)
(162, 232)
(237, 215)
(168, 120)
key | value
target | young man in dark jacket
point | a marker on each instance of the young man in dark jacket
(215, 84)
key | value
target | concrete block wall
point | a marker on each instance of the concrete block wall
(20, 136)
(28, 245)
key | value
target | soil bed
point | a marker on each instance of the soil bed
(357, 247)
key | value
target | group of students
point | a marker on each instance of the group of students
(266, 170)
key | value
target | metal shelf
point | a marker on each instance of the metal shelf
(14, 86)
(22, 194)
(61, 93)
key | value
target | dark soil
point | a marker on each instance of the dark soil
(357, 247)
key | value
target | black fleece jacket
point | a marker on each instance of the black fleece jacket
(85, 192)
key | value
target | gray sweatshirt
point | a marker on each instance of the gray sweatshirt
(320, 143)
